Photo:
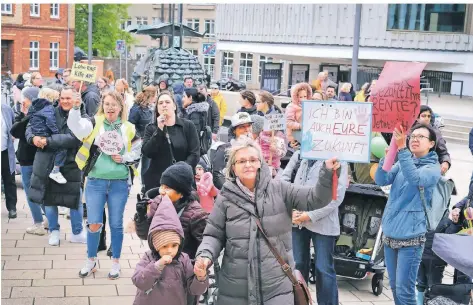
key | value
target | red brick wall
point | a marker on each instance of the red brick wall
(42, 29)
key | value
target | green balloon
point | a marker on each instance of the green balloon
(378, 146)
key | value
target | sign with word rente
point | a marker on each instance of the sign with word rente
(209, 49)
(396, 96)
(83, 72)
(111, 143)
(336, 129)
(275, 121)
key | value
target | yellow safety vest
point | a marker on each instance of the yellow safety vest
(84, 152)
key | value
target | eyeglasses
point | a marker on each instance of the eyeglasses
(251, 161)
(417, 138)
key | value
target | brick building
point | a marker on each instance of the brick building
(37, 37)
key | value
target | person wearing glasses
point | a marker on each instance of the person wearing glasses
(250, 273)
(404, 220)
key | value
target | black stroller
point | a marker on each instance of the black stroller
(359, 250)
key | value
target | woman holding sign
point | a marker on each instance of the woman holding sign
(404, 219)
(107, 157)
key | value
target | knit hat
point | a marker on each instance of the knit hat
(258, 123)
(30, 93)
(162, 238)
(179, 177)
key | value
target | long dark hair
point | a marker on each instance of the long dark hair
(196, 96)
(156, 113)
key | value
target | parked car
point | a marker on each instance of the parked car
(231, 84)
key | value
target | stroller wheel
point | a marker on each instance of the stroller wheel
(377, 284)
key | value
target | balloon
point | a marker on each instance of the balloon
(468, 213)
(373, 170)
(378, 147)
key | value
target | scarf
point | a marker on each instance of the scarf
(250, 194)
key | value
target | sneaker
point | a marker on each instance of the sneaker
(89, 268)
(58, 177)
(36, 229)
(54, 238)
(80, 238)
(46, 224)
(62, 210)
(114, 272)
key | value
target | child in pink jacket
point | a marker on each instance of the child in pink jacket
(205, 186)
(299, 93)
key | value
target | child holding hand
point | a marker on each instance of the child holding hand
(165, 274)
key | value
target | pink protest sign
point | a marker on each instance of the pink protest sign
(396, 96)
(111, 143)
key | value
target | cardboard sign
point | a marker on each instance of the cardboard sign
(275, 121)
(396, 96)
(111, 143)
(336, 129)
(83, 72)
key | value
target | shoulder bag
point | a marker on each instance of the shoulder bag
(301, 292)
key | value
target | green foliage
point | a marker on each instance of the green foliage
(106, 20)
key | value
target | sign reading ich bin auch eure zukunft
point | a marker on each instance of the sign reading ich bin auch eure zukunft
(83, 72)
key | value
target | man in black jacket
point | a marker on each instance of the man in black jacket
(46, 191)
(214, 112)
(90, 95)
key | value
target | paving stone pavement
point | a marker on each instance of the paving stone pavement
(34, 273)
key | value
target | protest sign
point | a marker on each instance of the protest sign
(336, 129)
(275, 121)
(111, 143)
(396, 96)
(83, 72)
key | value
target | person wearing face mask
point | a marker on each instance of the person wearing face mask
(167, 140)
(108, 170)
(404, 220)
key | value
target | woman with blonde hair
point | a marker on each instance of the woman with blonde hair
(299, 93)
(344, 94)
(122, 87)
(361, 95)
(102, 84)
(36, 80)
(108, 171)
(319, 96)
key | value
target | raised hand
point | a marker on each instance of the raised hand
(332, 164)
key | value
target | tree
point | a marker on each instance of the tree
(106, 30)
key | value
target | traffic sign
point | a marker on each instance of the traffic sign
(120, 46)
(209, 49)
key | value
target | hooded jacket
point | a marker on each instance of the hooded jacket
(250, 111)
(198, 113)
(221, 104)
(193, 220)
(404, 216)
(213, 116)
(91, 99)
(175, 281)
(178, 89)
(250, 274)
(207, 191)
(294, 110)
(42, 118)
(140, 117)
(26, 152)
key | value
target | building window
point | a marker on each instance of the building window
(156, 20)
(7, 8)
(53, 55)
(194, 52)
(142, 20)
(34, 10)
(227, 65)
(193, 24)
(34, 55)
(209, 65)
(246, 67)
(427, 17)
(210, 27)
(263, 59)
(54, 10)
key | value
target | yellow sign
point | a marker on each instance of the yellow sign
(83, 72)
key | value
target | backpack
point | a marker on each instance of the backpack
(205, 134)
(438, 207)
(217, 156)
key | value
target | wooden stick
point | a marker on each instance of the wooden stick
(270, 150)
(334, 185)
(80, 88)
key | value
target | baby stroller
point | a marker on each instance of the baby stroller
(359, 250)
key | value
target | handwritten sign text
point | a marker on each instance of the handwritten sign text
(275, 121)
(111, 143)
(83, 72)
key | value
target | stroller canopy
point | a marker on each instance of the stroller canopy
(455, 250)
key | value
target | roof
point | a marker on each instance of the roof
(164, 29)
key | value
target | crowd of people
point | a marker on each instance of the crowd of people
(204, 194)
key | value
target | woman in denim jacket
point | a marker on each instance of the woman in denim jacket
(404, 222)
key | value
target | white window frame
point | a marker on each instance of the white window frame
(209, 65)
(193, 23)
(54, 8)
(155, 20)
(34, 10)
(142, 20)
(7, 8)
(246, 67)
(209, 24)
(53, 55)
(263, 59)
(227, 67)
(194, 52)
(34, 55)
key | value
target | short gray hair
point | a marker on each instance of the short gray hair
(242, 143)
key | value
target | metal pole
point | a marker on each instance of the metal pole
(173, 6)
(356, 47)
(126, 62)
(120, 64)
(68, 35)
(162, 20)
(181, 29)
(89, 55)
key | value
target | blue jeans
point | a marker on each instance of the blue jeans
(26, 172)
(60, 158)
(76, 217)
(324, 246)
(115, 194)
(403, 265)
